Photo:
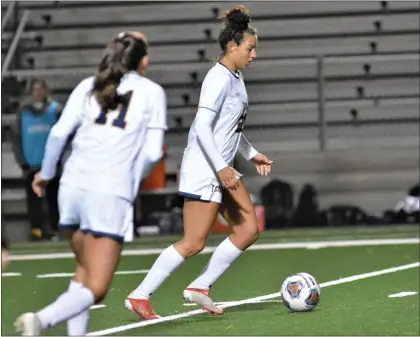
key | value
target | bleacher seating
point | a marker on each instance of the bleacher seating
(371, 68)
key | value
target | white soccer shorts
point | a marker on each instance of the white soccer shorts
(95, 213)
(200, 188)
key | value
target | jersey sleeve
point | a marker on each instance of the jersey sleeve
(158, 111)
(203, 128)
(148, 157)
(68, 122)
(246, 149)
(214, 91)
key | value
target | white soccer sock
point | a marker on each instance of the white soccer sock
(66, 306)
(223, 257)
(165, 264)
(77, 326)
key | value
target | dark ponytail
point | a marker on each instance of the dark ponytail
(122, 55)
(236, 24)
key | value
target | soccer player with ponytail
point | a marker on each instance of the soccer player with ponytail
(119, 120)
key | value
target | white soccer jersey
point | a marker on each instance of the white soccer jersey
(106, 146)
(223, 92)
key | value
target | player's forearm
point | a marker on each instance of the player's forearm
(154, 150)
(53, 149)
(246, 149)
(57, 139)
(149, 164)
(149, 156)
(205, 136)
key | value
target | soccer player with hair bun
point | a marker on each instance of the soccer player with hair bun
(207, 180)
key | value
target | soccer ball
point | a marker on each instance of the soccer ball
(300, 292)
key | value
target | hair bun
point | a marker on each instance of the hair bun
(237, 17)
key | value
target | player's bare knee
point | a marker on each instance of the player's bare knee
(192, 247)
(254, 234)
(251, 233)
(250, 226)
(99, 291)
(248, 233)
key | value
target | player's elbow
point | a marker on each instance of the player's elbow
(58, 133)
(154, 155)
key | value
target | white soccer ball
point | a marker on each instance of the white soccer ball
(300, 292)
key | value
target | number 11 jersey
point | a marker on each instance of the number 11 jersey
(106, 146)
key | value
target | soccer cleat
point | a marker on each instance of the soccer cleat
(28, 325)
(201, 297)
(141, 307)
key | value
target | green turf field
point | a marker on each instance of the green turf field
(360, 306)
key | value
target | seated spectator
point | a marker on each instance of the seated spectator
(30, 132)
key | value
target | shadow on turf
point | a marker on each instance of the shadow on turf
(204, 318)
(202, 321)
(253, 307)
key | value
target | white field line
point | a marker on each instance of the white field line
(10, 274)
(55, 275)
(258, 246)
(403, 294)
(230, 302)
(248, 301)
(97, 306)
(120, 272)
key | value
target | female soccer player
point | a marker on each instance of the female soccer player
(207, 181)
(120, 118)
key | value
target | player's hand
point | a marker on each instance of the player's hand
(38, 185)
(229, 177)
(262, 163)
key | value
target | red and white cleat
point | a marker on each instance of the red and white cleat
(141, 307)
(201, 297)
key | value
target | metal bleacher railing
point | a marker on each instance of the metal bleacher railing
(15, 42)
(9, 12)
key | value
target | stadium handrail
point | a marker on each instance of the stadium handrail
(7, 16)
(22, 73)
(14, 44)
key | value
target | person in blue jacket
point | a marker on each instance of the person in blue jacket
(33, 124)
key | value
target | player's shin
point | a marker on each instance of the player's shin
(165, 264)
(223, 257)
(77, 326)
